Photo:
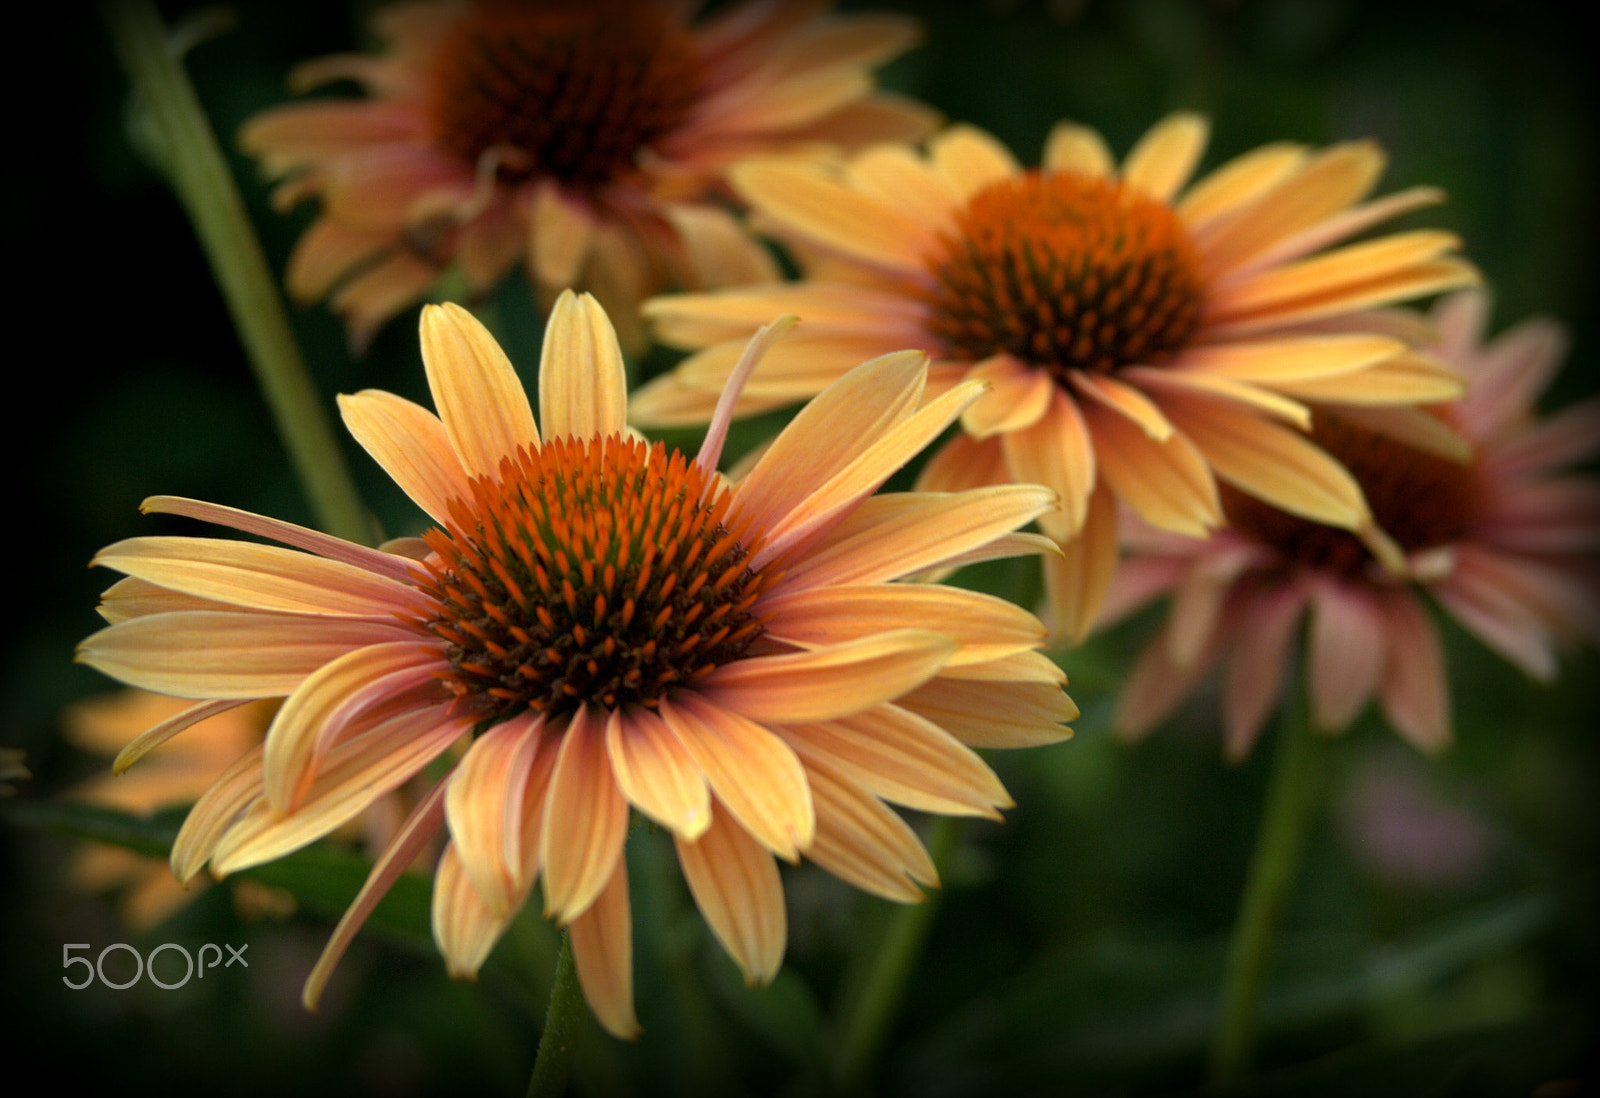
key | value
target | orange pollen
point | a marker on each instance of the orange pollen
(564, 90)
(599, 571)
(1066, 271)
(1421, 500)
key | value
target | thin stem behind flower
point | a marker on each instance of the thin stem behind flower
(1291, 800)
(199, 174)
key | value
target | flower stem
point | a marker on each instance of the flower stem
(559, 1041)
(866, 1021)
(1292, 795)
(199, 175)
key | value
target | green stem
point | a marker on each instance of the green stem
(199, 175)
(866, 1021)
(559, 1041)
(1291, 798)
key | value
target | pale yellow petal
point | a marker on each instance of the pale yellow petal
(1017, 397)
(583, 383)
(480, 399)
(1167, 482)
(971, 159)
(411, 445)
(1164, 159)
(1071, 147)
(1237, 183)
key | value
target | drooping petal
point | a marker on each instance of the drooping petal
(585, 820)
(602, 950)
(735, 883)
(1346, 651)
(657, 773)
(862, 841)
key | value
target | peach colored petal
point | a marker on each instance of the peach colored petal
(1348, 223)
(464, 929)
(1124, 399)
(218, 807)
(411, 445)
(1400, 379)
(1237, 183)
(583, 385)
(820, 206)
(346, 693)
(1345, 652)
(602, 950)
(327, 253)
(898, 177)
(409, 839)
(300, 133)
(720, 250)
(1076, 582)
(1166, 482)
(161, 732)
(861, 841)
(985, 714)
(221, 654)
(486, 805)
(1155, 380)
(261, 577)
(1058, 452)
(585, 820)
(828, 682)
(905, 758)
(971, 159)
(984, 626)
(1256, 667)
(1163, 159)
(735, 883)
(481, 402)
(753, 773)
(1289, 358)
(1018, 397)
(1071, 147)
(963, 463)
(657, 773)
(1415, 695)
(560, 234)
(1152, 690)
(695, 320)
(378, 292)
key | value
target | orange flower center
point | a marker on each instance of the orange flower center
(565, 90)
(1066, 271)
(1421, 500)
(590, 571)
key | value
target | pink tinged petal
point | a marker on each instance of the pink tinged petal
(696, 320)
(312, 541)
(1490, 595)
(829, 682)
(1414, 693)
(896, 535)
(854, 411)
(985, 627)
(1058, 452)
(583, 386)
(1167, 482)
(481, 402)
(411, 445)
(464, 928)
(221, 654)
(490, 244)
(657, 773)
(217, 809)
(355, 774)
(131, 598)
(1017, 397)
(1153, 689)
(585, 820)
(904, 758)
(811, 201)
(1164, 159)
(1197, 599)
(710, 454)
(1346, 650)
(863, 842)
(346, 693)
(1077, 580)
(377, 188)
(300, 133)
(885, 456)
(792, 100)
(408, 841)
(602, 950)
(1509, 375)
(1271, 462)
(1564, 438)
(1321, 187)
(998, 715)
(1235, 184)
(328, 252)
(486, 805)
(735, 883)
(1559, 517)
(971, 159)
(159, 734)
(1254, 682)
(754, 775)
(378, 292)
(560, 234)
(261, 577)
(1074, 148)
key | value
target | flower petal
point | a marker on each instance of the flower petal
(735, 883)
(481, 401)
(585, 820)
(657, 773)
(602, 950)
(583, 384)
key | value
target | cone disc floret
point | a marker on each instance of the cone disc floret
(1065, 271)
(590, 571)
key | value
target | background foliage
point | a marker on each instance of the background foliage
(1440, 940)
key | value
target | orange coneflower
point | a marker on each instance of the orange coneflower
(615, 625)
(588, 141)
(1505, 541)
(1143, 336)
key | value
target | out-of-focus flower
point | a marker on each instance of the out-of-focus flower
(174, 774)
(12, 769)
(588, 141)
(618, 627)
(1504, 540)
(1143, 336)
